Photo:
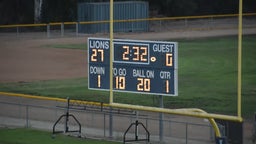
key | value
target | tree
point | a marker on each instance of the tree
(174, 7)
(37, 10)
(59, 10)
(16, 11)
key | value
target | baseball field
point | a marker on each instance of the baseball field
(207, 73)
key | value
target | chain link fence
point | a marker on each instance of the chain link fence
(102, 122)
(71, 29)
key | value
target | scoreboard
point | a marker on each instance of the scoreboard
(148, 67)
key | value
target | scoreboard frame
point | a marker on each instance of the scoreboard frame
(139, 66)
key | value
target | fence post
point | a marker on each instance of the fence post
(17, 31)
(48, 30)
(62, 29)
(27, 117)
(186, 22)
(76, 28)
(160, 22)
(67, 115)
(161, 116)
(110, 123)
(132, 27)
(211, 133)
(186, 133)
(104, 124)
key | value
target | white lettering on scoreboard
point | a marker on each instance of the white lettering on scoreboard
(148, 67)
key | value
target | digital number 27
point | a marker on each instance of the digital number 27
(97, 53)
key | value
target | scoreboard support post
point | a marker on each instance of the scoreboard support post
(161, 117)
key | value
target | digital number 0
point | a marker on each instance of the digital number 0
(168, 59)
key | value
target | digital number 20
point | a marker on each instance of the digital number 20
(143, 84)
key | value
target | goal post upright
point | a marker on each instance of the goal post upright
(186, 112)
(239, 67)
(111, 33)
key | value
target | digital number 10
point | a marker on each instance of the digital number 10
(120, 82)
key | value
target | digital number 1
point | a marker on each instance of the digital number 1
(167, 86)
(99, 81)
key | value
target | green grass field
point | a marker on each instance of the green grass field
(30, 136)
(207, 79)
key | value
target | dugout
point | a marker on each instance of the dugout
(125, 10)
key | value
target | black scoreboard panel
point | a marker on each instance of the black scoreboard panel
(149, 67)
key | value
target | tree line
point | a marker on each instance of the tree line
(24, 11)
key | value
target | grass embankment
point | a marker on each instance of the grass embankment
(207, 79)
(29, 136)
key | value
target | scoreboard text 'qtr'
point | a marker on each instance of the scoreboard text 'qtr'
(149, 67)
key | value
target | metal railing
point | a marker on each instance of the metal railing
(156, 24)
(96, 123)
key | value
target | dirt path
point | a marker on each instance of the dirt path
(29, 59)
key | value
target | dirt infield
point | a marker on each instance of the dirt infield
(31, 59)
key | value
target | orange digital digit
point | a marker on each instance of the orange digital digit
(120, 82)
(136, 53)
(143, 84)
(96, 53)
(144, 54)
(126, 53)
(167, 86)
(168, 59)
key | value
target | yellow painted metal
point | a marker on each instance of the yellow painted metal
(239, 75)
(94, 22)
(111, 13)
(53, 99)
(22, 25)
(130, 20)
(193, 112)
(70, 23)
(184, 112)
(211, 120)
(55, 23)
(32, 96)
(217, 132)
